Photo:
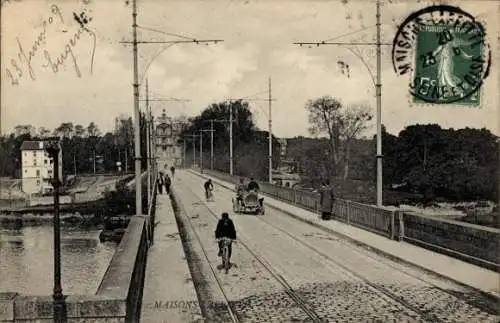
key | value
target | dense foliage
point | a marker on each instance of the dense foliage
(425, 159)
(455, 164)
(80, 146)
(250, 145)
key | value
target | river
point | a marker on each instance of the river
(27, 265)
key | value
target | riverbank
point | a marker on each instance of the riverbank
(81, 207)
(73, 219)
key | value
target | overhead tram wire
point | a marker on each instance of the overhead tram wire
(165, 33)
(137, 140)
(378, 85)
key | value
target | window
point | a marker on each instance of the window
(51, 161)
(25, 154)
(34, 162)
(34, 153)
(26, 171)
(37, 173)
(37, 182)
(45, 161)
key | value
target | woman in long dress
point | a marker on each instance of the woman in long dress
(444, 56)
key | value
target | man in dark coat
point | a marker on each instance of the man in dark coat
(225, 228)
(326, 200)
(168, 182)
(160, 183)
(253, 185)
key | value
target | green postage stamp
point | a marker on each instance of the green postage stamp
(444, 51)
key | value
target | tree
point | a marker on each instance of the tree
(452, 164)
(79, 130)
(43, 132)
(65, 130)
(354, 123)
(250, 147)
(92, 129)
(24, 129)
(327, 116)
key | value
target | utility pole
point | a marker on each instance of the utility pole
(93, 151)
(153, 148)
(193, 139)
(211, 144)
(137, 134)
(212, 140)
(126, 160)
(270, 137)
(378, 88)
(74, 162)
(230, 139)
(184, 153)
(135, 42)
(148, 141)
(231, 126)
(201, 152)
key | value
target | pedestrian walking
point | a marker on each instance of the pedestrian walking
(326, 200)
(161, 182)
(168, 182)
(172, 170)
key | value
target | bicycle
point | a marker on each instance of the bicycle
(209, 195)
(225, 253)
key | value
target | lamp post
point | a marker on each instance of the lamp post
(59, 306)
(193, 139)
(211, 130)
(377, 82)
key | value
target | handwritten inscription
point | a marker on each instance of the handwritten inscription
(23, 64)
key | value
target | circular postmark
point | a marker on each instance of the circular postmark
(444, 51)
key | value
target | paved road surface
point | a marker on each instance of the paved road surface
(289, 271)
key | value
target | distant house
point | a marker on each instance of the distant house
(37, 167)
(168, 149)
(285, 180)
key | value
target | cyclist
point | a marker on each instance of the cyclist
(240, 190)
(225, 229)
(172, 170)
(208, 188)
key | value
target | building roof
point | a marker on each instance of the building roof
(33, 145)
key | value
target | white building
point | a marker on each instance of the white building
(37, 167)
(168, 149)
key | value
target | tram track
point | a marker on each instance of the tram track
(427, 316)
(453, 296)
(386, 262)
(230, 310)
(299, 301)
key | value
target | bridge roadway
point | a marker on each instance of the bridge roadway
(285, 270)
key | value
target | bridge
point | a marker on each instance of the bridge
(368, 264)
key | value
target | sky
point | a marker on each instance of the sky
(94, 82)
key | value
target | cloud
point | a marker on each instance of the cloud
(258, 43)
